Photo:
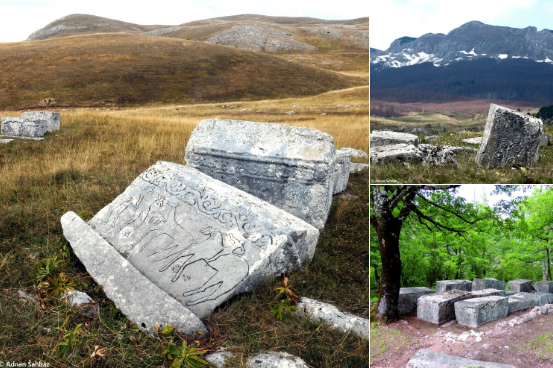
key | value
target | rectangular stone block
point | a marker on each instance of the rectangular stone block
(518, 286)
(440, 307)
(200, 240)
(408, 298)
(490, 283)
(477, 311)
(22, 128)
(445, 285)
(522, 300)
(431, 359)
(341, 171)
(510, 137)
(543, 298)
(388, 138)
(488, 292)
(544, 286)
(394, 153)
(291, 168)
(52, 118)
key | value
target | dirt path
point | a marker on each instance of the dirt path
(526, 345)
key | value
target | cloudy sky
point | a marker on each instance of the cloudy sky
(391, 19)
(20, 18)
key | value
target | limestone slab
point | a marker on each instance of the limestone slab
(53, 119)
(341, 172)
(475, 140)
(440, 307)
(477, 311)
(510, 137)
(431, 359)
(445, 285)
(543, 298)
(544, 286)
(356, 168)
(408, 297)
(352, 152)
(200, 240)
(488, 292)
(23, 128)
(386, 138)
(522, 300)
(489, 283)
(394, 153)
(289, 167)
(140, 300)
(274, 359)
(521, 285)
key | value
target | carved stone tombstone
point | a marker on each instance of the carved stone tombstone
(52, 118)
(510, 137)
(23, 128)
(291, 168)
(200, 240)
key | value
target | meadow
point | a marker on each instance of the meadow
(92, 159)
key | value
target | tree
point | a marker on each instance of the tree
(433, 206)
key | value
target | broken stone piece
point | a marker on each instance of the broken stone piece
(544, 286)
(436, 155)
(341, 172)
(218, 358)
(352, 152)
(521, 285)
(439, 307)
(394, 153)
(489, 283)
(273, 359)
(445, 285)
(408, 298)
(26, 297)
(5, 141)
(388, 138)
(355, 168)
(22, 128)
(510, 137)
(431, 359)
(52, 118)
(289, 167)
(475, 140)
(82, 300)
(477, 311)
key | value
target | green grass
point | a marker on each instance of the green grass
(385, 339)
(542, 345)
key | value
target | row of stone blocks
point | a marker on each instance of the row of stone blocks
(481, 284)
(32, 125)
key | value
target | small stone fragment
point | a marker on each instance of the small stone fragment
(218, 358)
(476, 140)
(273, 359)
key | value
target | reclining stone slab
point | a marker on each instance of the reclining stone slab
(52, 118)
(137, 297)
(387, 138)
(490, 283)
(510, 137)
(521, 285)
(22, 128)
(289, 167)
(431, 359)
(445, 285)
(477, 311)
(440, 307)
(200, 240)
(408, 298)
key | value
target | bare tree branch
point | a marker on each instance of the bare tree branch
(450, 211)
(435, 223)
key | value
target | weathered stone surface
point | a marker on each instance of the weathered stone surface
(341, 172)
(490, 283)
(521, 285)
(440, 307)
(200, 240)
(23, 128)
(430, 359)
(352, 152)
(522, 300)
(26, 297)
(543, 298)
(432, 138)
(420, 131)
(456, 149)
(408, 298)
(387, 138)
(291, 168)
(477, 311)
(445, 285)
(83, 301)
(52, 118)
(544, 140)
(510, 137)
(476, 140)
(544, 286)
(394, 153)
(488, 292)
(5, 141)
(436, 155)
(137, 297)
(327, 313)
(218, 358)
(273, 359)
(355, 168)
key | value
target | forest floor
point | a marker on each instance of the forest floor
(529, 344)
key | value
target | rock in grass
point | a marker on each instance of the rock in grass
(394, 153)
(352, 152)
(23, 128)
(26, 297)
(52, 118)
(200, 240)
(83, 301)
(432, 138)
(436, 155)
(387, 138)
(477, 311)
(5, 141)
(273, 359)
(139, 299)
(510, 137)
(521, 285)
(420, 131)
(544, 286)
(431, 359)
(475, 140)
(341, 172)
(218, 358)
(355, 168)
(327, 313)
(408, 298)
(445, 285)
(440, 307)
(544, 140)
(289, 167)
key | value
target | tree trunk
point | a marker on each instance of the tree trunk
(548, 264)
(377, 277)
(544, 267)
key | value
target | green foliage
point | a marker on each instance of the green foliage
(184, 356)
(45, 268)
(63, 348)
(281, 309)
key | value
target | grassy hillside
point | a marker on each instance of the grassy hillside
(125, 69)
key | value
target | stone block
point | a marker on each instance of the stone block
(276, 359)
(356, 168)
(477, 311)
(394, 153)
(543, 298)
(544, 286)
(490, 283)
(200, 240)
(430, 359)
(440, 307)
(5, 141)
(352, 152)
(524, 286)
(388, 138)
(408, 298)
(52, 118)
(291, 168)
(510, 137)
(544, 140)
(445, 285)
(522, 300)
(488, 292)
(139, 299)
(23, 128)
(436, 155)
(341, 172)
(476, 140)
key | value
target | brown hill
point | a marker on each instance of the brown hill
(126, 69)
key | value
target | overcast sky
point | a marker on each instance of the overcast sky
(392, 19)
(20, 18)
